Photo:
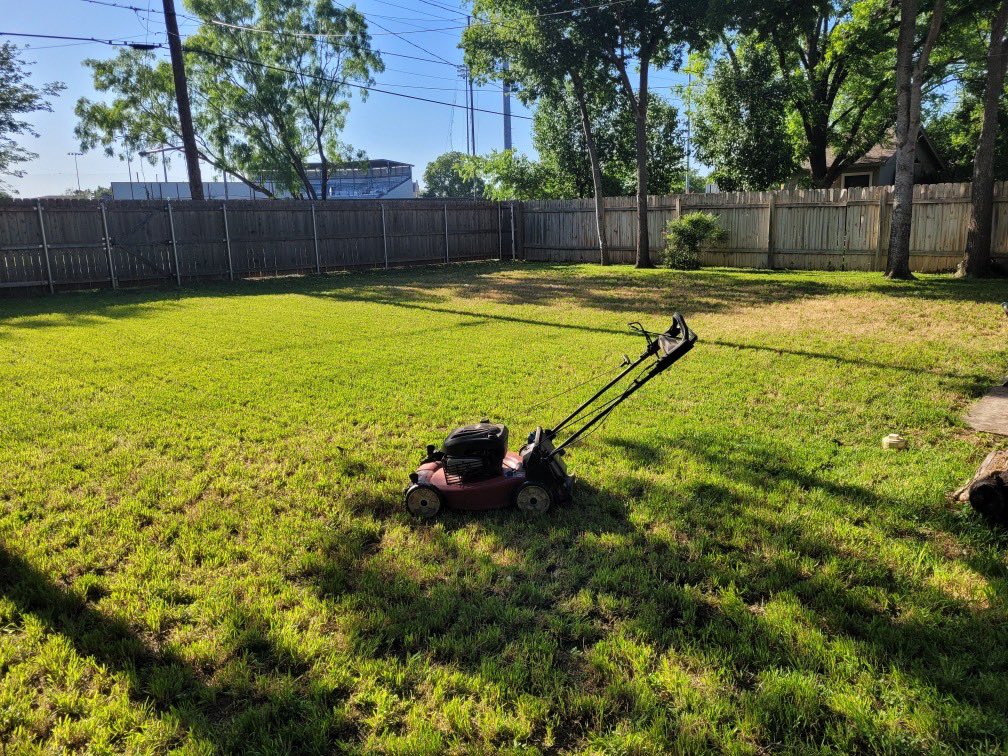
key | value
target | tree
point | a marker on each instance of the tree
(953, 120)
(445, 176)
(641, 35)
(741, 127)
(835, 57)
(977, 260)
(507, 175)
(909, 84)
(98, 193)
(264, 102)
(559, 140)
(18, 98)
(539, 54)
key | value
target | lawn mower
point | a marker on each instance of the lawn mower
(473, 470)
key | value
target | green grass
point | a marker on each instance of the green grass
(204, 546)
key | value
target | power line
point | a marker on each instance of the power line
(458, 16)
(112, 42)
(435, 59)
(342, 82)
(407, 41)
(258, 30)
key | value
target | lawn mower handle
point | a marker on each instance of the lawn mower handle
(675, 342)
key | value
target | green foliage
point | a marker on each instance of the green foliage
(445, 176)
(204, 547)
(686, 236)
(559, 139)
(953, 123)
(268, 103)
(741, 124)
(18, 98)
(507, 175)
(835, 61)
(100, 192)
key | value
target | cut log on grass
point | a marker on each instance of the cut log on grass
(987, 492)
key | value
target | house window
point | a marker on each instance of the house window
(851, 180)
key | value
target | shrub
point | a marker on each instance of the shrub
(686, 236)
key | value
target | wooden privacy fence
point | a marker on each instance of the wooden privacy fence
(74, 244)
(810, 229)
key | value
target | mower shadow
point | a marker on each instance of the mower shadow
(706, 572)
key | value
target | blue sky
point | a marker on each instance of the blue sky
(384, 126)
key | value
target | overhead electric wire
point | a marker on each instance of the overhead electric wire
(280, 32)
(113, 42)
(344, 82)
(407, 41)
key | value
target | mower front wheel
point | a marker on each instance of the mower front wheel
(423, 500)
(533, 498)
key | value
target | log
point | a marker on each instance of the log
(987, 492)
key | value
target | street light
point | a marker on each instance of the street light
(76, 167)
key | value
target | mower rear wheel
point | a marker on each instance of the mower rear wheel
(533, 498)
(423, 500)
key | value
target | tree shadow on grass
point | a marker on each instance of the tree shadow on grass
(618, 289)
(814, 636)
(265, 709)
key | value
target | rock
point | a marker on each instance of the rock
(894, 441)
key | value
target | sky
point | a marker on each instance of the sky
(384, 126)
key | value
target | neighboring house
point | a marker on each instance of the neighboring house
(362, 179)
(878, 166)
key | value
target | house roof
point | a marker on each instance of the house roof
(880, 153)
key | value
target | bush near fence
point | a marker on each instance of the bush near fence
(74, 244)
(808, 229)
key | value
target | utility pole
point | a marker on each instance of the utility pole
(471, 137)
(182, 98)
(507, 109)
(76, 167)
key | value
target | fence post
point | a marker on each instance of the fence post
(45, 247)
(769, 233)
(514, 252)
(314, 231)
(446, 259)
(384, 237)
(227, 241)
(678, 207)
(171, 227)
(108, 248)
(880, 241)
(500, 231)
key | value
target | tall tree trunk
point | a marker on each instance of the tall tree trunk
(643, 240)
(909, 79)
(639, 106)
(977, 262)
(596, 170)
(640, 128)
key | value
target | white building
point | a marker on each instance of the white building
(364, 179)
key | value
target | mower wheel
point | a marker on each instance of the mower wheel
(533, 498)
(423, 500)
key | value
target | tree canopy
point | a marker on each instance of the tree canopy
(446, 176)
(559, 139)
(741, 125)
(18, 98)
(270, 84)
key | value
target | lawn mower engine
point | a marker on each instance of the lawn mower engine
(473, 470)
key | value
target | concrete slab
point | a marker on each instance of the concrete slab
(990, 414)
